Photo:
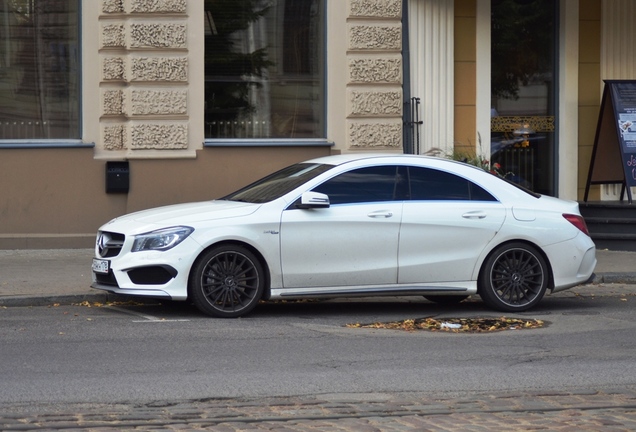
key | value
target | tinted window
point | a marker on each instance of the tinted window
(362, 185)
(430, 184)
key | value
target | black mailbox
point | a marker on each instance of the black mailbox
(117, 177)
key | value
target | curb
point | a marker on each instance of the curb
(69, 299)
(104, 297)
(615, 278)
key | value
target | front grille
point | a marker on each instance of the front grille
(109, 244)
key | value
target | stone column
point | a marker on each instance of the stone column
(145, 79)
(374, 82)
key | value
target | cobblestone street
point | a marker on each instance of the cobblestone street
(559, 411)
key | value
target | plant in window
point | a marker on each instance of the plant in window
(234, 62)
(479, 160)
(521, 53)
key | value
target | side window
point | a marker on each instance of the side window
(477, 193)
(371, 184)
(430, 184)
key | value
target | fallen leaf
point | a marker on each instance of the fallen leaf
(455, 325)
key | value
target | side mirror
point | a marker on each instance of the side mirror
(310, 200)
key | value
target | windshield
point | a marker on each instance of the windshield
(278, 184)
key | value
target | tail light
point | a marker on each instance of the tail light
(577, 221)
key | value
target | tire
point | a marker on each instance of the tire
(513, 278)
(446, 299)
(227, 281)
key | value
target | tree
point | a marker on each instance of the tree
(522, 32)
(230, 68)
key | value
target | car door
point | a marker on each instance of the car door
(446, 224)
(353, 242)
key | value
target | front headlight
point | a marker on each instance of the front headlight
(161, 240)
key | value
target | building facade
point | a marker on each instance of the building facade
(113, 106)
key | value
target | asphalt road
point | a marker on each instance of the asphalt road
(143, 353)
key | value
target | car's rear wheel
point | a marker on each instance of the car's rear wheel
(227, 281)
(513, 278)
(446, 299)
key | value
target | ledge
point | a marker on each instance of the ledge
(44, 144)
(306, 142)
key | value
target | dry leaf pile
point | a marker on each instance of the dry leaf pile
(88, 304)
(455, 325)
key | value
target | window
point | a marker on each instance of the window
(372, 184)
(430, 184)
(278, 184)
(39, 69)
(264, 69)
(524, 91)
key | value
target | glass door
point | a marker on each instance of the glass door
(523, 92)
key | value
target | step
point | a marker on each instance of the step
(610, 209)
(615, 244)
(611, 225)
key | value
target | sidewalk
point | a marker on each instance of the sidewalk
(558, 411)
(41, 277)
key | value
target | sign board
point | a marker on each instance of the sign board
(614, 155)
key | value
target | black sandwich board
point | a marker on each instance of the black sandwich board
(614, 155)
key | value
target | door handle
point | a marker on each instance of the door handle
(380, 214)
(474, 215)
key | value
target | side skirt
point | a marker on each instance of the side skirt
(455, 288)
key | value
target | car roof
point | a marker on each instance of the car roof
(390, 158)
(351, 157)
(492, 183)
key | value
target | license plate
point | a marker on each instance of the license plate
(100, 265)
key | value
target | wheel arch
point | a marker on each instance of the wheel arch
(252, 249)
(526, 242)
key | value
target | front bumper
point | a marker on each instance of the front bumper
(148, 273)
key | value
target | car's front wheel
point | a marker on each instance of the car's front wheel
(227, 281)
(513, 278)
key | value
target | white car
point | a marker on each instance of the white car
(352, 225)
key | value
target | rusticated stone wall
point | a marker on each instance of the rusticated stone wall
(149, 87)
(374, 61)
(144, 76)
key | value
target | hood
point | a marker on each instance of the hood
(181, 214)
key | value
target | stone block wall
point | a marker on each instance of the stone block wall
(148, 49)
(143, 52)
(374, 82)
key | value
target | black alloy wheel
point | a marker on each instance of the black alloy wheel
(513, 278)
(227, 281)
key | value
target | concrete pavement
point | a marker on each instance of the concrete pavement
(41, 277)
(44, 277)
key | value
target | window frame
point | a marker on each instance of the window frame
(46, 143)
(320, 141)
(403, 193)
